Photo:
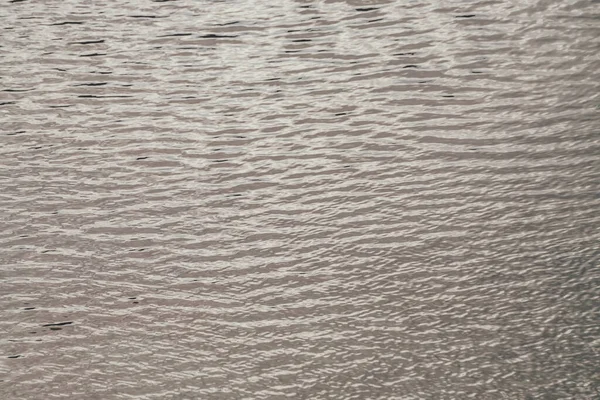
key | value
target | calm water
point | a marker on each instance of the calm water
(299, 199)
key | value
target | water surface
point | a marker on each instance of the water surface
(299, 199)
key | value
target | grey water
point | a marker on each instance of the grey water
(328, 199)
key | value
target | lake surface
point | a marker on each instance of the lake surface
(299, 199)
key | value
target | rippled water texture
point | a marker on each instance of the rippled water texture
(299, 199)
